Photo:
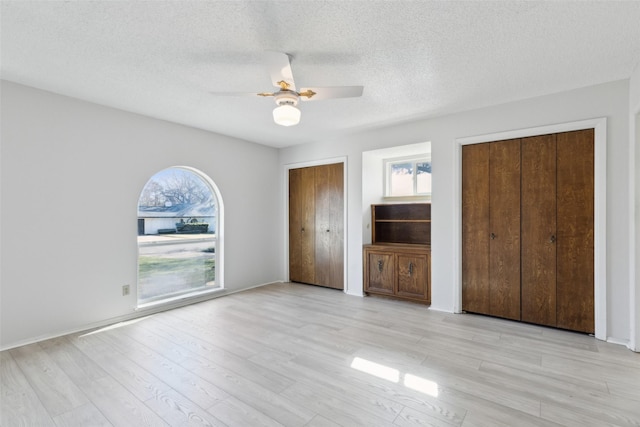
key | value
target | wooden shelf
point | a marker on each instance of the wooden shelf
(408, 223)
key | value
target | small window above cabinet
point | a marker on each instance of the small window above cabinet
(408, 223)
(408, 177)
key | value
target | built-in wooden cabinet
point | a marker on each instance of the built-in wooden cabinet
(316, 225)
(528, 228)
(398, 262)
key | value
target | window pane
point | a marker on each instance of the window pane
(401, 179)
(177, 217)
(423, 171)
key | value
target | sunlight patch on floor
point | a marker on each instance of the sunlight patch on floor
(411, 381)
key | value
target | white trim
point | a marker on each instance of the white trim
(634, 271)
(287, 167)
(600, 207)
(618, 342)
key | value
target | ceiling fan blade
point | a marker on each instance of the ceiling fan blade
(247, 94)
(320, 93)
(279, 68)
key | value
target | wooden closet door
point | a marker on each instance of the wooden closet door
(504, 226)
(302, 225)
(575, 245)
(329, 259)
(475, 228)
(538, 186)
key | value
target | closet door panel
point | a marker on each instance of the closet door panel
(302, 225)
(538, 227)
(504, 226)
(575, 261)
(475, 228)
(329, 225)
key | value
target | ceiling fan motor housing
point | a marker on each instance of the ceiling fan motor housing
(286, 97)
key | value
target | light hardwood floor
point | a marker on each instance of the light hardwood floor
(298, 355)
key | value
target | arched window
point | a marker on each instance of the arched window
(179, 236)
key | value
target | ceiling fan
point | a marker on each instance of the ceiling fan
(287, 96)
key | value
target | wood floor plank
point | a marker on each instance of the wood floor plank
(502, 417)
(546, 383)
(577, 366)
(12, 380)
(85, 415)
(178, 411)
(80, 368)
(200, 391)
(263, 399)
(340, 409)
(320, 421)
(23, 409)
(120, 406)
(338, 376)
(411, 417)
(284, 355)
(495, 352)
(258, 374)
(218, 337)
(138, 381)
(234, 412)
(57, 392)
(567, 417)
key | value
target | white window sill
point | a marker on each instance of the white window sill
(407, 198)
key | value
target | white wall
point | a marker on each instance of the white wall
(81, 164)
(608, 100)
(634, 148)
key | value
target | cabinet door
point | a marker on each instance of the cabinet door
(302, 225)
(380, 272)
(412, 275)
(504, 226)
(539, 230)
(329, 259)
(475, 228)
(575, 246)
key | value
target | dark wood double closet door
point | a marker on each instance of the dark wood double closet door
(528, 229)
(316, 226)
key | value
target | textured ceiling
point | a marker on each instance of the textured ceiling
(414, 58)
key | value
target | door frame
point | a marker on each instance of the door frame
(285, 196)
(600, 207)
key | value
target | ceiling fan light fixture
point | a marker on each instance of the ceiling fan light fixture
(286, 114)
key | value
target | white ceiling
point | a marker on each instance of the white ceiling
(415, 59)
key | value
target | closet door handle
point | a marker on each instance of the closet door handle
(552, 239)
(492, 235)
(302, 230)
(380, 264)
(410, 268)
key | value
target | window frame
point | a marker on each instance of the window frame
(218, 239)
(414, 160)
